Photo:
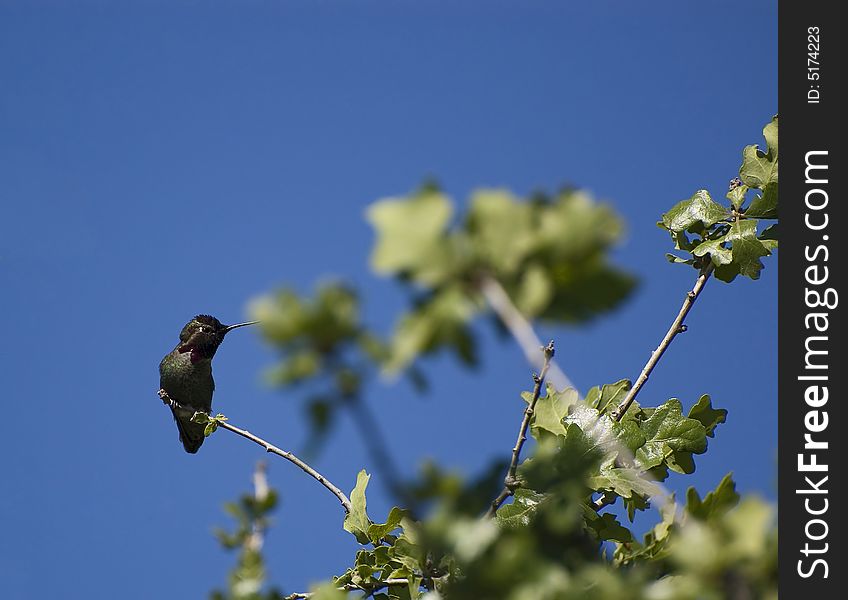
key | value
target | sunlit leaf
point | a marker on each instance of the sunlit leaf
(377, 531)
(715, 503)
(411, 236)
(666, 431)
(521, 510)
(551, 409)
(708, 416)
(759, 168)
(700, 208)
(624, 482)
(357, 522)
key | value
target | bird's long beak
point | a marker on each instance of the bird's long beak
(231, 327)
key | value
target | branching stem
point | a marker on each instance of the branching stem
(511, 482)
(677, 326)
(345, 501)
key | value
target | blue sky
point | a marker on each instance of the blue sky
(161, 159)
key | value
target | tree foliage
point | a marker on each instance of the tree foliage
(550, 533)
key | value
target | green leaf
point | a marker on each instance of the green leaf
(608, 436)
(624, 482)
(770, 233)
(676, 259)
(769, 237)
(357, 522)
(413, 588)
(560, 461)
(769, 244)
(747, 249)
(411, 236)
(656, 540)
(667, 431)
(770, 133)
(636, 502)
(736, 195)
(715, 503)
(535, 290)
(521, 510)
(681, 462)
(608, 396)
(551, 409)
(376, 532)
(708, 416)
(607, 527)
(564, 275)
(749, 525)
(573, 226)
(654, 545)
(718, 254)
(727, 273)
(408, 553)
(501, 230)
(699, 209)
(201, 418)
(681, 240)
(586, 288)
(760, 169)
(764, 206)
(330, 317)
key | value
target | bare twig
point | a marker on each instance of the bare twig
(677, 326)
(511, 482)
(352, 588)
(345, 501)
(520, 329)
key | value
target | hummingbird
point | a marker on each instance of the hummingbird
(186, 373)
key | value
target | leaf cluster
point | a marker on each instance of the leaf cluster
(209, 421)
(731, 238)
(549, 253)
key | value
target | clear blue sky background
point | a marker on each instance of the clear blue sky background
(160, 159)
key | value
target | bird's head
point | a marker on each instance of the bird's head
(203, 334)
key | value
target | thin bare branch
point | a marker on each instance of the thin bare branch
(345, 501)
(511, 482)
(677, 326)
(521, 329)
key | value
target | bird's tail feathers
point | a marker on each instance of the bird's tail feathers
(191, 434)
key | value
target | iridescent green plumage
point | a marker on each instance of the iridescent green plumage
(186, 373)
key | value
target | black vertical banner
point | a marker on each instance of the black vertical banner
(813, 438)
